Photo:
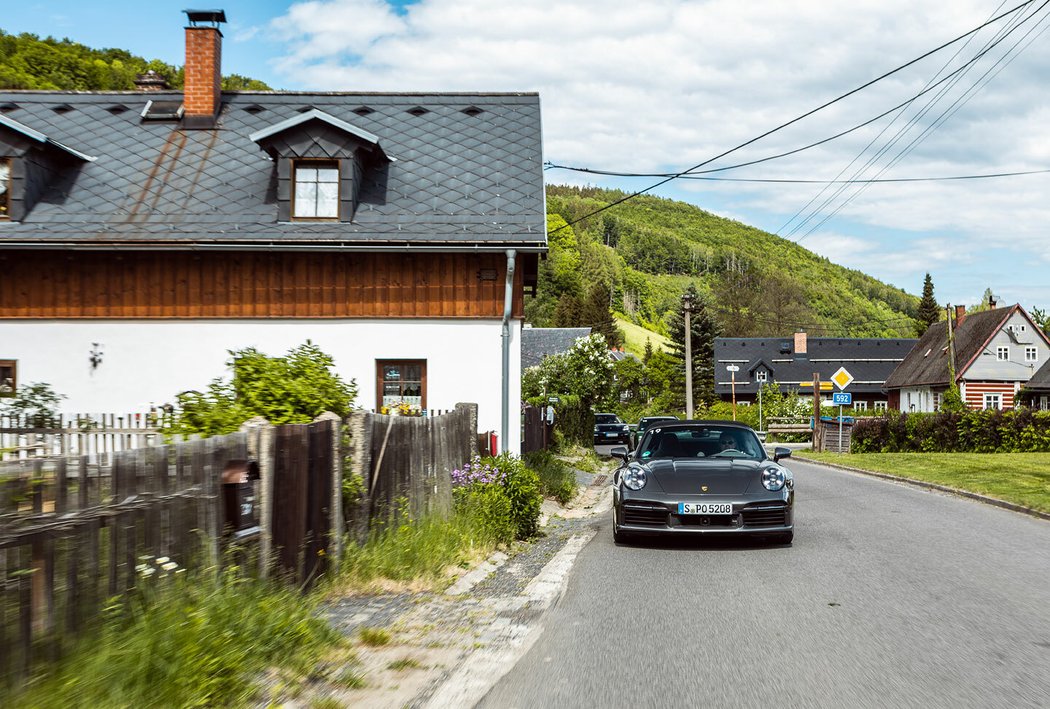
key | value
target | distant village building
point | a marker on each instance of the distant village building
(997, 352)
(538, 342)
(791, 362)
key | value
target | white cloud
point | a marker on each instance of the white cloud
(666, 84)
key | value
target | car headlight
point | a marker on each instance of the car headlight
(634, 478)
(773, 479)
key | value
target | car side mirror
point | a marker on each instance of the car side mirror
(620, 452)
(779, 453)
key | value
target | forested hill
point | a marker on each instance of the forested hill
(29, 62)
(649, 249)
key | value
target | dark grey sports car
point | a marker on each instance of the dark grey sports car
(703, 477)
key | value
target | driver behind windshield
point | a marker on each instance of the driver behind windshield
(727, 442)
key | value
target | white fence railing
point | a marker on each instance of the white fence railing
(24, 437)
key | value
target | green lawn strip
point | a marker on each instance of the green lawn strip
(1020, 478)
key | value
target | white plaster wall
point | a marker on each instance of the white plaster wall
(921, 399)
(148, 362)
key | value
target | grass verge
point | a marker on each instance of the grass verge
(557, 478)
(178, 642)
(1020, 478)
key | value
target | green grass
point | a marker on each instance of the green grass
(557, 478)
(195, 642)
(405, 663)
(634, 337)
(1021, 478)
(375, 637)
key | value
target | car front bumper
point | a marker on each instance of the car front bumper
(752, 515)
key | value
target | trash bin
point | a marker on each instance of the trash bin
(238, 495)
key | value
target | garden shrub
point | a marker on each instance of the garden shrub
(523, 488)
(488, 507)
(989, 431)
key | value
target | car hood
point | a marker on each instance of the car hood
(721, 476)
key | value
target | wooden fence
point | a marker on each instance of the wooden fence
(24, 437)
(75, 531)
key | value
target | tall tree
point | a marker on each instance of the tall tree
(929, 312)
(597, 316)
(704, 329)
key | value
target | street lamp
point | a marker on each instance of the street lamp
(733, 369)
(687, 305)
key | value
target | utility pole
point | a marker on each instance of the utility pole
(687, 304)
(817, 438)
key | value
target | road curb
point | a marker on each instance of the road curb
(994, 501)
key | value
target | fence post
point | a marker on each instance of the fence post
(261, 448)
(335, 549)
(359, 427)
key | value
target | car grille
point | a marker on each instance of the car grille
(646, 516)
(765, 517)
(706, 520)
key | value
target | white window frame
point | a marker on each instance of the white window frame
(305, 209)
(1031, 354)
(938, 400)
(1002, 354)
(6, 165)
(860, 406)
(761, 376)
(1044, 403)
(993, 401)
(880, 406)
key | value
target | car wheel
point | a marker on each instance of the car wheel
(784, 538)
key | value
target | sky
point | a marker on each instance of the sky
(662, 86)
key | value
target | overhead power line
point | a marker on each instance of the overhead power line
(800, 117)
(797, 181)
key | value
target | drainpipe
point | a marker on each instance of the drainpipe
(508, 305)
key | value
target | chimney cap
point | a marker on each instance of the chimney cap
(212, 16)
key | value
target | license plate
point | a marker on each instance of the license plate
(705, 508)
(611, 435)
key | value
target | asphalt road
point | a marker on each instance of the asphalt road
(890, 597)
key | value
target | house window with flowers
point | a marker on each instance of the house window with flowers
(401, 386)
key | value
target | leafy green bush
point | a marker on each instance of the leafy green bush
(523, 488)
(557, 478)
(184, 642)
(990, 431)
(488, 507)
(295, 388)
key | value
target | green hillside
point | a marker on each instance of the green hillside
(649, 249)
(29, 62)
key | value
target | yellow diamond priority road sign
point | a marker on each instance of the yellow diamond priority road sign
(842, 378)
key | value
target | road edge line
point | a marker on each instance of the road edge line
(993, 501)
(481, 670)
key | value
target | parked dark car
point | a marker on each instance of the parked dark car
(610, 428)
(647, 422)
(702, 477)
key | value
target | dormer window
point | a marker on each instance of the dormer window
(5, 188)
(760, 376)
(316, 190)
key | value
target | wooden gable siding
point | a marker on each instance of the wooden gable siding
(975, 392)
(156, 284)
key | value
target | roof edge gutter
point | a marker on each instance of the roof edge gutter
(267, 246)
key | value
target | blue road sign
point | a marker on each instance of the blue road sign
(842, 398)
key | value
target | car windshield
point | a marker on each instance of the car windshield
(702, 442)
(607, 418)
(646, 423)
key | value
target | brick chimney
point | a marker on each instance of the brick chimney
(202, 87)
(800, 343)
(960, 313)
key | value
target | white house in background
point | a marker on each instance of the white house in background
(996, 353)
(143, 235)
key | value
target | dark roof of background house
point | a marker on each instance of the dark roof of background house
(458, 178)
(538, 342)
(927, 364)
(869, 360)
(1040, 381)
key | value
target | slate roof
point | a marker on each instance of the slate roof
(538, 342)
(927, 363)
(1040, 381)
(869, 360)
(458, 178)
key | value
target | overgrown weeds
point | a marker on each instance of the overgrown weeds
(187, 642)
(557, 478)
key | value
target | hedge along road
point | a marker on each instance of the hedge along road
(890, 596)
